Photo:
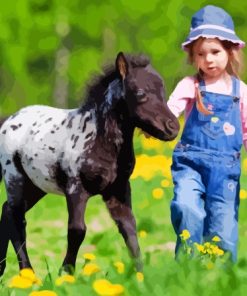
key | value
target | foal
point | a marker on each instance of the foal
(81, 152)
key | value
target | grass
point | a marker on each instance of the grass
(151, 195)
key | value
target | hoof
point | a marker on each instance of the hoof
(66, 269)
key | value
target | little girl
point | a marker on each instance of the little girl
(206, 161)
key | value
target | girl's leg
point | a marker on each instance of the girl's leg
(187, 206)
(221, 205)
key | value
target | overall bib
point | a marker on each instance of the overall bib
(206, 171)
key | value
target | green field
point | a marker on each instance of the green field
(151, 194)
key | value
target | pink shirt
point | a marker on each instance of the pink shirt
(183, 98)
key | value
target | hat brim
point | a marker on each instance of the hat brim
(212, 33)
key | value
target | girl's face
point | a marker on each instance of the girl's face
(211, 57)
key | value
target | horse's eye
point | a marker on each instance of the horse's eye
(141, 96)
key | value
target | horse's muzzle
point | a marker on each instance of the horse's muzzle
(171, 129)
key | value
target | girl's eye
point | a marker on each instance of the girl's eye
(215, 51)
(200, 54)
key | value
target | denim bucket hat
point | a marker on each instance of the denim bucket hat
(212, 22)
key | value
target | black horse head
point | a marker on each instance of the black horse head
(145, 96)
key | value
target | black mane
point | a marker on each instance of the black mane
(99, 83)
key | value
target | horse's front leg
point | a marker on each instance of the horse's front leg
(76, 198)
(119, 206)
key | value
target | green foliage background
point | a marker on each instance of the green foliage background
(50, 49)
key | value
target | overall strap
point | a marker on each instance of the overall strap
(235, 88)
(202, 85)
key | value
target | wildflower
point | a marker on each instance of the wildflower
(165, 183)
(20, 282)
(24, 280)
(142, 234)
(43, 293)
(28, 273)
(89, 256)
(210, 265)
(65, 279)
(105, 288)
(200, 248)
(243, 194)
(216, 239)
(157, 193)
(185, 234)
(140, 276)
(119, 266)
(90, 268)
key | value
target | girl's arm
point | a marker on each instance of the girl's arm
(183, 96)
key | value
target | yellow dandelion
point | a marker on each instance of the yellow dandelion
(20, 282)
(43, 293)
(210, 265)
(140, 276)
(29, 274)
(157, 193)
(106, 288)
(185, 234)
(119, 266)
(90, 269)
(207, 244)
(165, 183)
(216, 239)
(149, 166)
(243, 194)
(65, 279)
(89, 256)
(200, 248)
(142, 234)
(220, 252)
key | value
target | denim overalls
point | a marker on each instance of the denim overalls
(206, 171)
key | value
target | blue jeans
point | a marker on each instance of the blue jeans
(206, 196)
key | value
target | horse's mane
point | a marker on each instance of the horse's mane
(96, 88)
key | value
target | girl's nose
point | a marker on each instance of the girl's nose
(209, 58)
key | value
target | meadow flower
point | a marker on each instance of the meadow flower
(243, 194)
(106, 288)
(157, 193)
(140, 276)
(216, 239)
(119, 266)
(200, 248)
(24, 280)
(89, 256)
(28, 273)
(90, 269)
(149, 166)
(142, 233)
(20, 282)
(43, 293)
(65, 279)
(165, 183)
(185, 234)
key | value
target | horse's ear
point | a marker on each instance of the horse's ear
(122, 65)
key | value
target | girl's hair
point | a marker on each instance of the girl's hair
(234, 66)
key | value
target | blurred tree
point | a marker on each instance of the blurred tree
(50, 49)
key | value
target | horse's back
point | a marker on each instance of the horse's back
(27, 123)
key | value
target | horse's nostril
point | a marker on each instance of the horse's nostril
(172, 126)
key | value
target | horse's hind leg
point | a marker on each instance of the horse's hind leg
(119, 206)
(4, 241)
(22, 195)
